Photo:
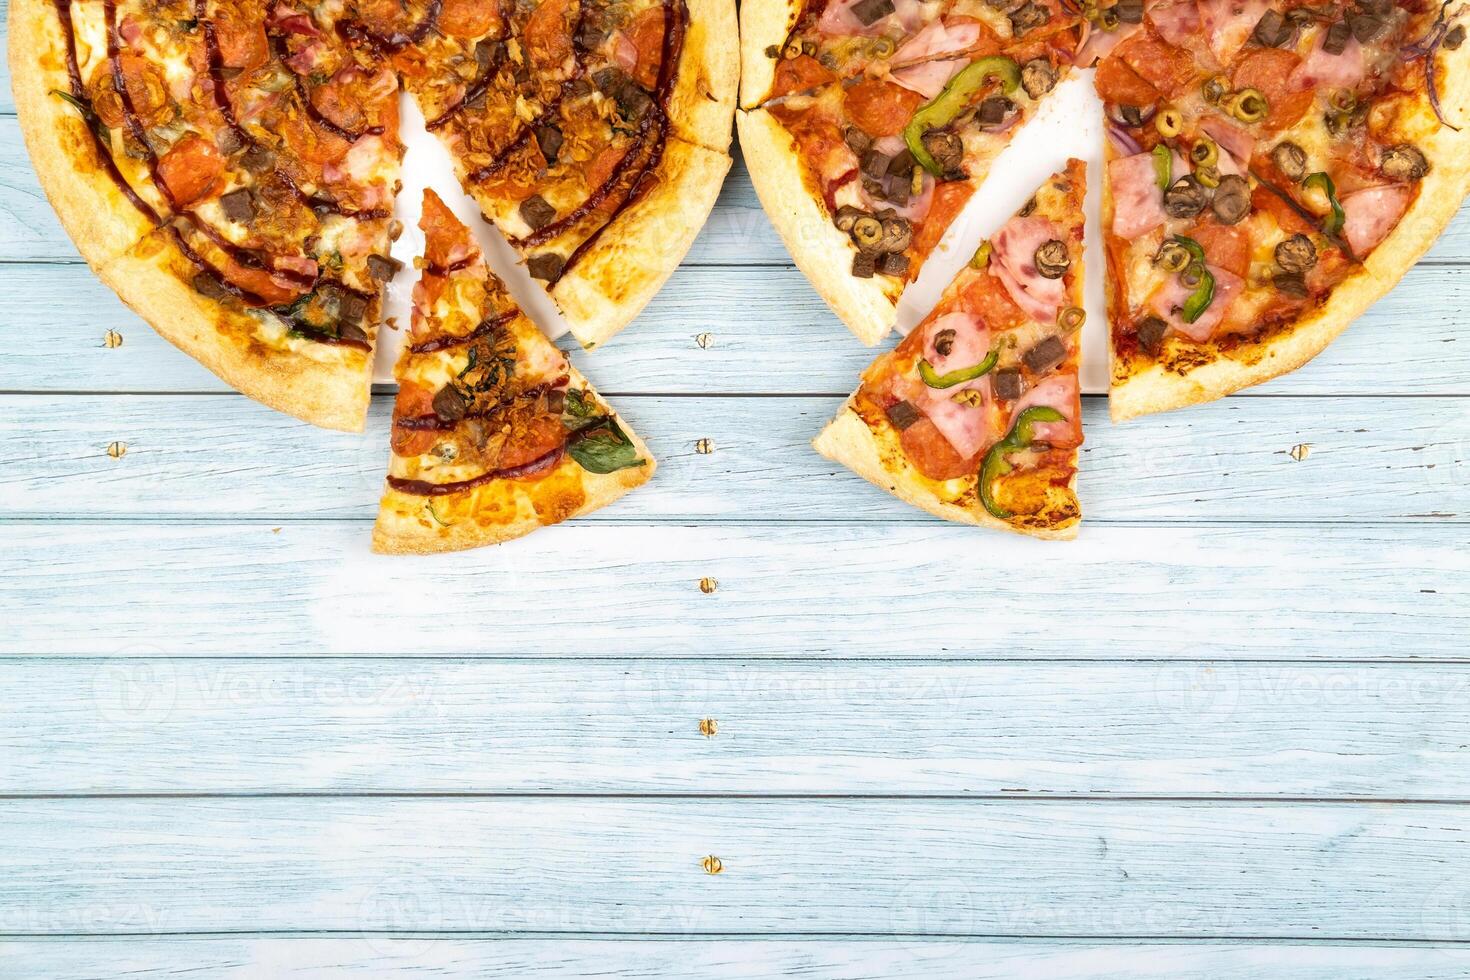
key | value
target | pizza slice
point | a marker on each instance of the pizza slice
(594, 134)
(228, 169)
(494, 433)
(1273, 169)
(976, 415)
(863, 176)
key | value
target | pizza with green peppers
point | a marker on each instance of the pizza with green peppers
(494, 433)
(229, 167)
(976, 415)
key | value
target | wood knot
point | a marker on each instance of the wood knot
(704, 340)
(117, 450)
(1301, 451)
(708, 585)
(704, 447)
(112, 339)
(712, 865)
(708, 727)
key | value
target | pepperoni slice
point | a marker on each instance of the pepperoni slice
(931, 453)
(987, 296)
(881, 108)
(191, 170)
(260, 283)
(1121, 85)
(798, 75)
(1156, 61)
(467, 18)
(647, 34)
(241, 38)
(541, 435)
(949, 199)
(413, 401)
(547, 35)
(1226, 246)
(1268, 70)
(442, 230)
(1292, 223)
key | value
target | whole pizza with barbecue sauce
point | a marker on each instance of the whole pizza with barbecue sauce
(976, 415)
(1273, 168)
(229, 167)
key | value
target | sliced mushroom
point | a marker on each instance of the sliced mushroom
(944, 342)
(1052, 260)
(1290, 284)
(846, 217)
(547, 266)
(1186, 197)
(1290, 159)
(1403, 162)
(1027, 17)
(945, 147)
(207, 285)
(1151, 331)
(1296, 254)
(1232, 200)
(351, 331)
(897, 233)
(450, 404)
(1038, 77)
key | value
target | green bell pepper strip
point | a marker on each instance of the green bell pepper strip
(1204, 293)
(941, 110)
(1163, 167)
(1332, 224)
(959, 376)
(1020, 437)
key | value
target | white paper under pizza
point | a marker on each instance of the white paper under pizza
(1069, 124)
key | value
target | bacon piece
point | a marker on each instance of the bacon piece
(839, 20)
(964, 426)
(967, 336)
(1372, 214)
(1229, 24)
(1168, 302)
(1234, 140)
(1013, 262)
(1177, 22)
(1138, 204)
(1331, 71)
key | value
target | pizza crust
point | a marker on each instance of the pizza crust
(820, 250)
(99, 218)
(1155, 389)
(612, 282)
(849, 440)
(763, 23)
(404, 526)
(319, 383)
(702, 103)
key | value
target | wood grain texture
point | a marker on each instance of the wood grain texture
(728, 959)
(1023, 729)
(711, 330)
(1249, 591)
(881, 867)
(225, 457)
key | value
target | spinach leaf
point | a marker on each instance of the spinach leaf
(604, 448)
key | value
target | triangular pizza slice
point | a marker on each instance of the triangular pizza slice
(494, 433)
(1273, 169)
(863, 173)
(976, 415)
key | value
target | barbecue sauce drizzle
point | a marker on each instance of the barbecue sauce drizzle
(423, 488)
(478, 87)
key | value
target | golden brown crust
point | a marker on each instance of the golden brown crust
(92, 209)
(878, 458)
(1154, 388)
(763, 23)
(702, 105)
(824, 254)
(611, 283)
(505, 509)
(319, 383)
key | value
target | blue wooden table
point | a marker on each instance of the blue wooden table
(1225, 733)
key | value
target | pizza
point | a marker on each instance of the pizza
(228, 167)
(868, 124)
(976, 415)
(1273, 168)
(494, 433)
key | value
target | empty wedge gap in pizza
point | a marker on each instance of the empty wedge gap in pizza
(976, 415)
(494, 433)
(870, 123)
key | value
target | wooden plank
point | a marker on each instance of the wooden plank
(730, 330)
(224, 457)
(737, 233)
(883, 867)
(725, 959)
(1183, 729)
(1226, 592)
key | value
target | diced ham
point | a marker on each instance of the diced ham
(970, 343)
(1138, 204)
(1168, 302)
(839, 20)
(1176, 21)
(293, 22)
(304, 60)
(1100, 44)
(930, 77)
(624, 51)
(130, 31)
(1234, 140)
(937, 39)
(1331, 71)
(1059, 391)
(965, 428)
(1372, 214)
(1229, 24)
(1013, 262)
